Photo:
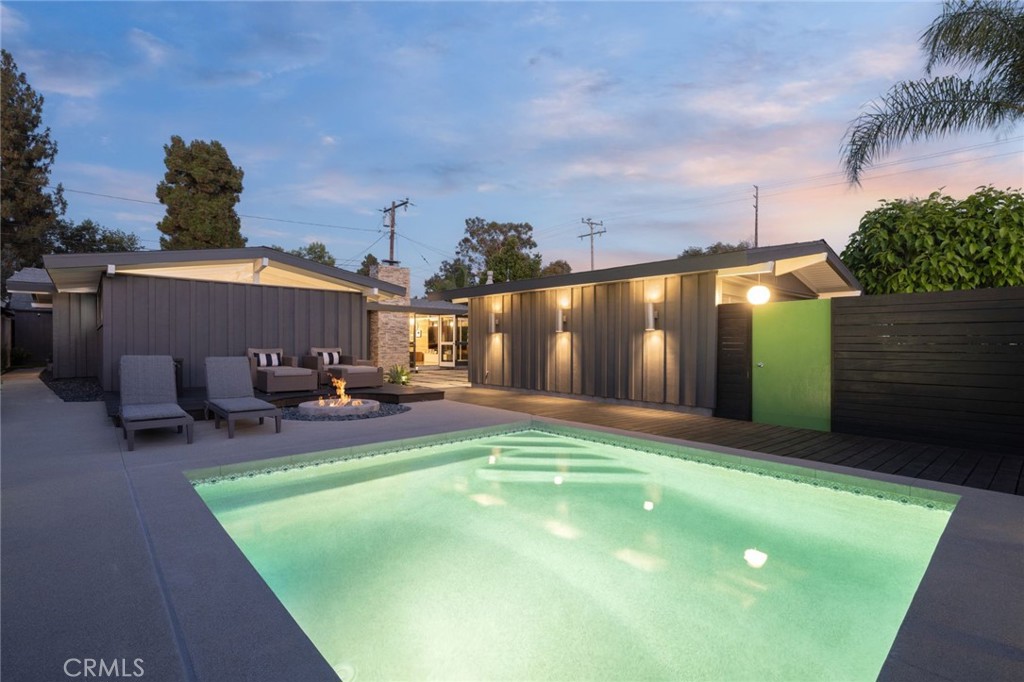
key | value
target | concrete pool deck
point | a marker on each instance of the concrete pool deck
(109, 555)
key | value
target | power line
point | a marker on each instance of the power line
(240, 215)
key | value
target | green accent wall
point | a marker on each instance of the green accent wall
(792, 358)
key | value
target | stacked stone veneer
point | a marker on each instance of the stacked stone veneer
(389, 332)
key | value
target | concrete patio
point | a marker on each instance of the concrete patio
(110, 555)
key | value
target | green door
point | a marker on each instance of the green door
(792, 364)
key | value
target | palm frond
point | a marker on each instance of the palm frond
(912, 110)
(986, 38)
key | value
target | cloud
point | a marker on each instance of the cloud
(328, 140)
(339, 188)
(74, 74)
(152, 48)
(572, 106)
(111, 181)
(12, 22)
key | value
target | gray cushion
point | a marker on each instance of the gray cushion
(152, 411)
(242, 404)
(285, 371)
(147, 379)
(228, 377)
(357, 369)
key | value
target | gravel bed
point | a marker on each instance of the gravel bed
(73, 390)
(386, 410)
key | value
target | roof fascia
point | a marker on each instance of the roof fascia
(252, 253)
(674, 266)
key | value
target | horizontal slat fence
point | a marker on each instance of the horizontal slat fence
(944, 367)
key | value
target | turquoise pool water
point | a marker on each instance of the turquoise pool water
(540, 555)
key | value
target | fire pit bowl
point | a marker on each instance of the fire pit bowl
(331, 408)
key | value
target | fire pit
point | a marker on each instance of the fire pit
(342, 406)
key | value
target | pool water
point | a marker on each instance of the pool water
(535, 555)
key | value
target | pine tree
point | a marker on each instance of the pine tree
(29, 213)
(200, 190)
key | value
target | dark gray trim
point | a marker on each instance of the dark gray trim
(101, 260)
(674, 266)
(444, 308)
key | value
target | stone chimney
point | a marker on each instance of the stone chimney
(389, 332)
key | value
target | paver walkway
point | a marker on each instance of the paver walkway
(958, 466)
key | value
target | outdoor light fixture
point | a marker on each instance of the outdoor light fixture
(561, 320)
(759, 294)
(494, 323)
(650, 317)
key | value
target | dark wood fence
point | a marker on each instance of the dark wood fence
(734, 361)
(944, 367)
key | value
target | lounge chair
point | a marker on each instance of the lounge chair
(273, 372)
(229, 394)
(331, 363)
(148, 397)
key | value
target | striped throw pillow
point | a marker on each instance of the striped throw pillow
(267, 359)
(330, 357)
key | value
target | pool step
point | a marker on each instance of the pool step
(541, 472)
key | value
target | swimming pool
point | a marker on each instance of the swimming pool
(542, 552)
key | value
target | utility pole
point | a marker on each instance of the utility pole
(394, 205)
(756, 201)
(591, 223)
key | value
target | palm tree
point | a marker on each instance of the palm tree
(984, 37)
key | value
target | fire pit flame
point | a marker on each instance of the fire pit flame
(342, 399)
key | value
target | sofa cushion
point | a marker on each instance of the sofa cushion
(358, 369)
(285, 371)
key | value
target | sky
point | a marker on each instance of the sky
(656, 119)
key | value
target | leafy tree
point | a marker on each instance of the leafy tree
(200, 189)
(717, 247)
(453, 274)
(512, 262)
(986, 38)
(91, 237)
(507, 249)
(28, 213)
(368, 262)
(556, 267)
(315, 251)
(940, 244)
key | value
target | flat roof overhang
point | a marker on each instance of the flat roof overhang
(261, 265)
(813, 263)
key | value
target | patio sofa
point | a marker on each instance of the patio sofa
(329, 363)
(274, 372)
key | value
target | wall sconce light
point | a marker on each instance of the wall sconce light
(561, 320)
(759, 294)
(651, 317)
(494, 323)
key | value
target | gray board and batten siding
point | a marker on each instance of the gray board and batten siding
(605, 351)
(193, 320)
(944, 367)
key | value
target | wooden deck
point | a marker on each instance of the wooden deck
(957, 466)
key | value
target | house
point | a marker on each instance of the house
(645, 333)
(199, 303)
